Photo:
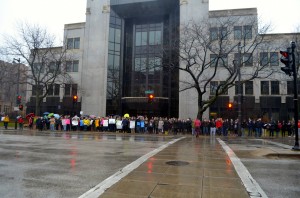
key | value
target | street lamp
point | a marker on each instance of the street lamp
(18, 79)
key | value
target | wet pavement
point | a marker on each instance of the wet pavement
(272, 162)
(192, 167)
(60, 164)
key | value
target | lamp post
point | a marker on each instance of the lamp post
(18, 79)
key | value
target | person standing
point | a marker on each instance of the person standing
(30, 122)
(160, 126)
(52, 123)
(21, 122)
(6, 121)
(212, 126)
(219, 126)
(197, 124)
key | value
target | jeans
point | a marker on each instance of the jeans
(52, 127)
(212, 131)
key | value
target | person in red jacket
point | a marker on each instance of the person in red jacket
(21, 122)
(219, 125)
(197, 124)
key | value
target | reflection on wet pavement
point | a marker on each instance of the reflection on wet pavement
(208, 172)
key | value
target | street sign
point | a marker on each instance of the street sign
(149, 92)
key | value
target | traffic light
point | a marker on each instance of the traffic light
(230, 106)
(75, 99)
(20, 107)
(287, 60)
(19, 99)
(150, 98)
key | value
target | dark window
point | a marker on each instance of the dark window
(75, 66)
(237, 32)
(223, 33)
(264, 87)
(70, 43)
(248, 32)
(53, 90)
(72, 66)
(237, 88)
(249, 88)
(264, 59)
(213, 87)
(34, 90)
(213, 60)
(248, 59)
(223, 61)
(70, 89)
(274, 59)
(274, 87)
(76, 43)
(222, 83)
(213, 34)
(56, 89)
(67, 89)
(73, 43)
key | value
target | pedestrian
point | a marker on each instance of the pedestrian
(30, 122)
(272, 128)
(68, 123)
(52, 123)
(6, 121)
(125, 125)
(219, 125)
(197, 124)
(160, 126)
(75, 122)
(212, 125)
(86, 123)
(63, 123)
(21, 122)
(205, 127)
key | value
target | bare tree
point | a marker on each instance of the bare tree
(46, 62)
(218, 51)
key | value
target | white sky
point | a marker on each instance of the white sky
(53, 14)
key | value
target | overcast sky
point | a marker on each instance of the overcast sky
(53, 14)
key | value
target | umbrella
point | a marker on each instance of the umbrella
(46, 113)
(56, 116)
(92, 116)
(126, 115)
(50, 115)
(30, 115)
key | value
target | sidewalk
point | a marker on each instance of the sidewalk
(192, 167)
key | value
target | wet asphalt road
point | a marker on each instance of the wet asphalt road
(65, 165)
(278, 176)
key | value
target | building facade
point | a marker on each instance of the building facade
(12, 88)
(127, 49)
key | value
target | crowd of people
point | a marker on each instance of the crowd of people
(159, 125)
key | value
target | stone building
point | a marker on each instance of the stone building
(125, 50)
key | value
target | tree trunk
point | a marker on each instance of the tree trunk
(37, 104)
